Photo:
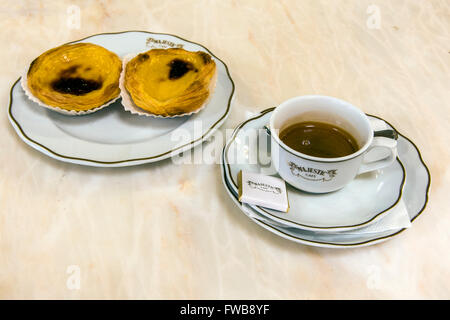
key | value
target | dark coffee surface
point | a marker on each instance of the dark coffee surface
(319, 139)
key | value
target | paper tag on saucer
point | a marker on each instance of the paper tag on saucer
(261, 190)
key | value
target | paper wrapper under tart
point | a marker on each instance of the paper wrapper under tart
(129, 105)
(24, 84)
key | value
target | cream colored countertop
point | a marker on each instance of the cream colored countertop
(170, 231)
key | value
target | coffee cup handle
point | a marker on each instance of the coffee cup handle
(384, 138)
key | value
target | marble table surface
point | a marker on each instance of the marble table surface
(165, 231)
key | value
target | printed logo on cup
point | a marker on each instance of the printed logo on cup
(311, 173)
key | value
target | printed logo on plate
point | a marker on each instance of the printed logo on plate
(153, 43)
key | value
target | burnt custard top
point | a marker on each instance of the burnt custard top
(78, 77)
(170, 82)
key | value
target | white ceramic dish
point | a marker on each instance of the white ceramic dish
(414, 196)
(349, 208)
(113, 137)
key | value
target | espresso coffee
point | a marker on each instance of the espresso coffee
(319, 139)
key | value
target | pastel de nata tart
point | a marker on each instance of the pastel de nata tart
(167, 82)
(74, 78)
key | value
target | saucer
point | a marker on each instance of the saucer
(350, 208)
(113, 137)
(414, 197)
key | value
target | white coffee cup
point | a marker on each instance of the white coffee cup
(320, 175)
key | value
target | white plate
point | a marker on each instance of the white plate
(113, 137)
(349, 208)
(414, 196)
